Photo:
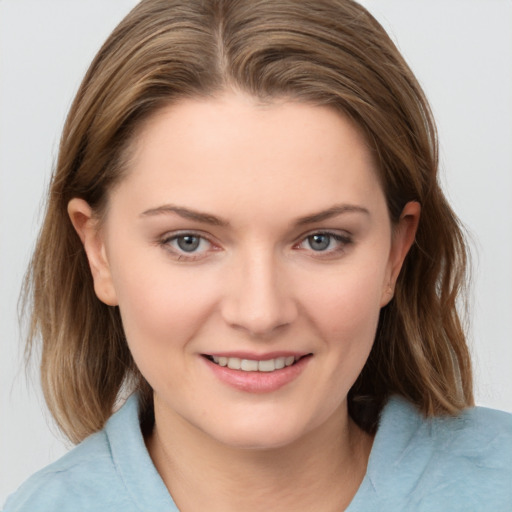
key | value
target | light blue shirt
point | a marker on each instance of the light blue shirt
(442, 464)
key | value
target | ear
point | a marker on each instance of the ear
(403, 237)
(87, 227)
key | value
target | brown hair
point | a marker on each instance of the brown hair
(327, 52)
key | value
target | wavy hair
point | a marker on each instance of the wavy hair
(324, 52)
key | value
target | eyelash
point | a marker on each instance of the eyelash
(342, 242)
(179, 253)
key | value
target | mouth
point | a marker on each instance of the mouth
(255, 365)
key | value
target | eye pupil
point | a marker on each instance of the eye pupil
(188, 243)
(319, 242)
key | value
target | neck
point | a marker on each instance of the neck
(321, 471)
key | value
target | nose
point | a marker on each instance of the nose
(259, 300)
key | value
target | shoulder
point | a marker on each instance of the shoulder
(83, 473)
(480, 436)
(84, 479)
(477, 432)
(461, 462)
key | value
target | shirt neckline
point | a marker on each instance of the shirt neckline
(133, 462)
(143, 483)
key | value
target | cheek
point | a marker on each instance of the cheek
(347, 304)
(160, 305)
(162, 314)
(345, 315)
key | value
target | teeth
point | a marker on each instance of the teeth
(280, 362)
(251, 365)
(267, 366)
(234, 363)
(248, 365)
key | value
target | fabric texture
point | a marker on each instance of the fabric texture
(440, 464)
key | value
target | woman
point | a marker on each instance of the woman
(246, 231)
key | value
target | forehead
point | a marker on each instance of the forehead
(240, 151)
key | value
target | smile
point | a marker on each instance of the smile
(257, 373)
(253, 365)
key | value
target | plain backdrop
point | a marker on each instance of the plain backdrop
(461, 51)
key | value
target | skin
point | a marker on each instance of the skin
(256, 283)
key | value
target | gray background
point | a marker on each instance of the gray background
(461, 51)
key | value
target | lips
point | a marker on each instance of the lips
(257, 373)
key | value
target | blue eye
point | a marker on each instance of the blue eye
(325, 242)
(319, 241)
(187, 246)
(188, 243)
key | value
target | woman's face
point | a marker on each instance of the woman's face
(249, 249)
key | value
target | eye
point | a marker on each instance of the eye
(187, 246)
(319, 241)
(325, 242)
(188, 243)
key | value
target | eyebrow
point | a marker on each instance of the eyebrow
(207, 218)
(186, 213)
(331, 212)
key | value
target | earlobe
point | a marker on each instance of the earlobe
(86, 226)
(403, 237)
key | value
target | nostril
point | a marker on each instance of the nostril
(257, 298)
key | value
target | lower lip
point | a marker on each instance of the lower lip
(258, 382)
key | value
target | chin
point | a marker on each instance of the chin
(258, 441)
(259, 435)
